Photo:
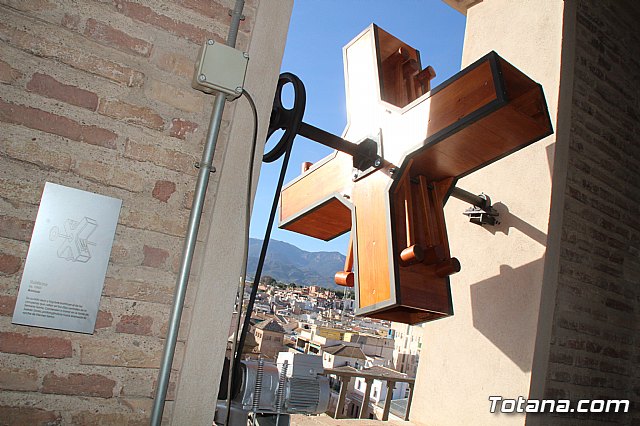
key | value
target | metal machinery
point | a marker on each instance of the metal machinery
(269, 392)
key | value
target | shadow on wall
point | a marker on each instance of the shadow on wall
(509, 220)
(505, 310)
(551, 155)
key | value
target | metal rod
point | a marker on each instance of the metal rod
(468, 197)
(191, 236)
(328, 139)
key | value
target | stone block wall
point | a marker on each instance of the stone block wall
(595, 345)
(96, 95)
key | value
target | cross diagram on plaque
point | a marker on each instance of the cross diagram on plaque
(399, 259)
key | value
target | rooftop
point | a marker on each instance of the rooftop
(375, 372)
(270, 325)
(345, 351)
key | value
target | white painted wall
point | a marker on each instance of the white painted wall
(487, 347)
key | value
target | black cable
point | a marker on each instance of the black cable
(288, 120)
(231, 376)
(263, 254)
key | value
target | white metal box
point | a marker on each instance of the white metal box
(220, 68)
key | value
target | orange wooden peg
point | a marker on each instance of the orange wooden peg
(306, 165)
(346, 278)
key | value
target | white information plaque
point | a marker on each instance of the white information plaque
(67, 260)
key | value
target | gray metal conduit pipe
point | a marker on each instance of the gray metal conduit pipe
(192, 234)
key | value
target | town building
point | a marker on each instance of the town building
(269, 337)
(406, 347)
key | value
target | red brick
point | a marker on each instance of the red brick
(551, 393)
(135, 324)
(104, 319)
(42, 153)
(89, 418)
(9, 264)
(147, 15)
(187, 202)
(78, 384)
(138, 383)
(30, 416)
(211, 9)
(173, 224)
(7, 305)
(110, 175)
(619, 305)
(51, 88)
(215, 10)
(133, 114)
(7, 74)
(71, 21)
(18, 379)
(138, 405)
(171, 390)
(99, 353)
(163, 157)
(163, 190)
(51, 123)
(79, 59)
(154, 257)
(182, 99)
(182, 128)
(38, 346)
(16, 229)
(135, 290)
(175, 63)
(31, 5)
(109, 36)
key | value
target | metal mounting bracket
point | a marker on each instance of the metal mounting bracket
(368, 157)
(482, 212)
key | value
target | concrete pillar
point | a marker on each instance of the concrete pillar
(222, 247)
(387, 402)
(406, 413)
(364, 412)
(344, 385)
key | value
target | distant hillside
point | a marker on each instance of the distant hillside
(287, 263)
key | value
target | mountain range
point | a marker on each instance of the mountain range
(287, 263)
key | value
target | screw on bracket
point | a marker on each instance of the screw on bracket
(202, 77)
(210, 42)
(230, 12)
(197, 166)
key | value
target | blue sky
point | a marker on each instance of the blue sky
(318, 31)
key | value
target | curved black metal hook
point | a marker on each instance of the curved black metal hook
(287, 119)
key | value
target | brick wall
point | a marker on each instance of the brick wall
(96, 95)
(595, 346)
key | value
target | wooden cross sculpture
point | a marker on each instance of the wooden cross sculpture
(411, 146)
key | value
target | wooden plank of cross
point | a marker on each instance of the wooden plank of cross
(399, 259)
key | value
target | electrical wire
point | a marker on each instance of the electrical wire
(291, 120)
(245, 254)
(286, 150)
